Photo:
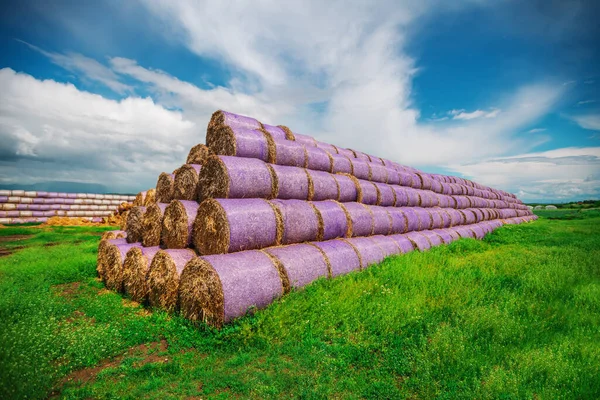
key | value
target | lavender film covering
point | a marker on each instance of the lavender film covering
(464, 232)
(388, 245)
(469, 216)
(362, 219)
(411, 218)
(300, 222)
(302, 263)
(341, 164)
(433, 237)
(420, 241)
(292, 182)
(3, 199)
(276, 132)
(252, 223)
(248, 279)
(446, 219)
(405, 178)
(436, 186)
(413, 197)
(369, 192)
(393, 177)
(324, 185)
(360, 169)
(251, 143)
(361, 156)
(438, 222)
(289, 153)
(317, 159)
(235, 120)
(425, 221)
(443, 233)
(404, 244)
(378, 172)
(479, 232)
(381, 220)
(386, 194)
(342, 257)
(329, 148)
(369, 250)
(399, 220)
(425, 181)
(347, 188)
(345, 152)
(400, 195)
(425, 196)
(305, 139)
(248, 177)
(455, 216)
(452, 232)
(335, 224)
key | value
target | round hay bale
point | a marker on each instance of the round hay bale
(322, 186)
(340, 164)
(150, 197)
(456, 217)
(164, 188)
(242, 142)
(305, 139)
(197, 154)
(400, 196)
(135, 269)
(393, 177)
(333, 220)
(405, 245)
(361, 169)
(369, 251)
(185, 184)
(162, 279)
(361, 218)
(367, 192)
(178, 220)
(152, 224)
(286, 152)
(415, 182)
(318, 159)
(340, 256)
(124, 217)
(134, 224)
(360, 155)
(446, 218)
(221, 124)
(478, 231)
(433, 238)
(230, 225)
(436, 186)
(452, 232)
(479, 215)
(290, 182)
(425, 219)
(236, 178)
(388, 245)
(113, 264)
(139, 199)
(464, 232)
(101, 256)
(405, 179)
(414, 200)
(399, 220)
(108, 235)
(470, 216)
(386, 195)
(411, 217)
(329, 148)
(419, 241)
(382, 221)
(445, 235)
(300, 221)
(425, 181)
(300, 263)
(378, 172)
(437, 221)
(345, 152)
(217, 289)
(425, 198)
(347, 185)
(278, 132)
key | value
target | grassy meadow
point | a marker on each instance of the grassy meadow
(514, 316)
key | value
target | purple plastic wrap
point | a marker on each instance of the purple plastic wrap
(250, 143)
(341, 164)
(446, 219)
(361, 156)
(433, 237)
(382, 222)
(456, 217)
(368, 192)
(378, 172)
(3, 199)
(386, 195)
(276, 132)
(405, 178)
(445, 235)
(361, 169)
(399, 220)
(300, 221)
(323, 186)
(362, 219)
(404, 244)
(470, 217)
(289, 153)
(248, 177)
(317, 159)
(292, 182)
(401, 196)
(414, 200)
(411, 218)
(426, 198)
(425, 219)
(305, 139)
(393, 178)
(347, 188)
(465, 232)
(302, 263)
(388, 245)
(370, 252)
(329, 148)
(341, 256)
(248, 279)
(335, 224)
(438, 222)
(425, 181)
(345, 152)
(419, 241)
(479, 232)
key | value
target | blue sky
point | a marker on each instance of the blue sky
(503, 92)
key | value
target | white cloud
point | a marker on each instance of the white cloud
(89, 67)
(586, 102)
(536, 130)
(463, 115)
(555, 175)
(589, 121)
(53, 131)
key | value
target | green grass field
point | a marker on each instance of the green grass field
(514, 316)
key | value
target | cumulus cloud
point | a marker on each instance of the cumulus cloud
(53, 131)
(587, 121)
(462, 114)
(555, 175)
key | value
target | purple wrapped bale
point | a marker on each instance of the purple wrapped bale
(470, 217)
(329, 148)
(333, 220)
(230, 225)
(361, 169)
(436, 217)
(220, 288)
(345, 152)
(135, 269)
(367, 192)
(405, 179)
(446, 218)
(322, 186)
(236, 178)
(276, 132)
(360, 155)
(382, 221)
(163, 277)
(290, 182)
(445, 235)
(340, 164)
(177, 225)
(305, 139)
(286, 152)
(393, 177)
(110, 262)
(340, 256)
(399, 220)
(300, 264)
(369, 251)
(388, 245)
(185, 183)
(243, 142)
(378, 172)
(478, 231)
(318, 159)
(425, 219)
(465, 232)
(386, 197)
(347, 188)
(433, 237)
(361, 219)
(411, 217)
(400, 196)
(299, 219)
(404, 244)
(419, 241)
(221, 127)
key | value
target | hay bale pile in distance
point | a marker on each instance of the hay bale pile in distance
(262, 210)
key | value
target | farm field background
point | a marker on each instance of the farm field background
(513, 316)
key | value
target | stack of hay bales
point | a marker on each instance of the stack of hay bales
(19, 206)
(263, 210)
